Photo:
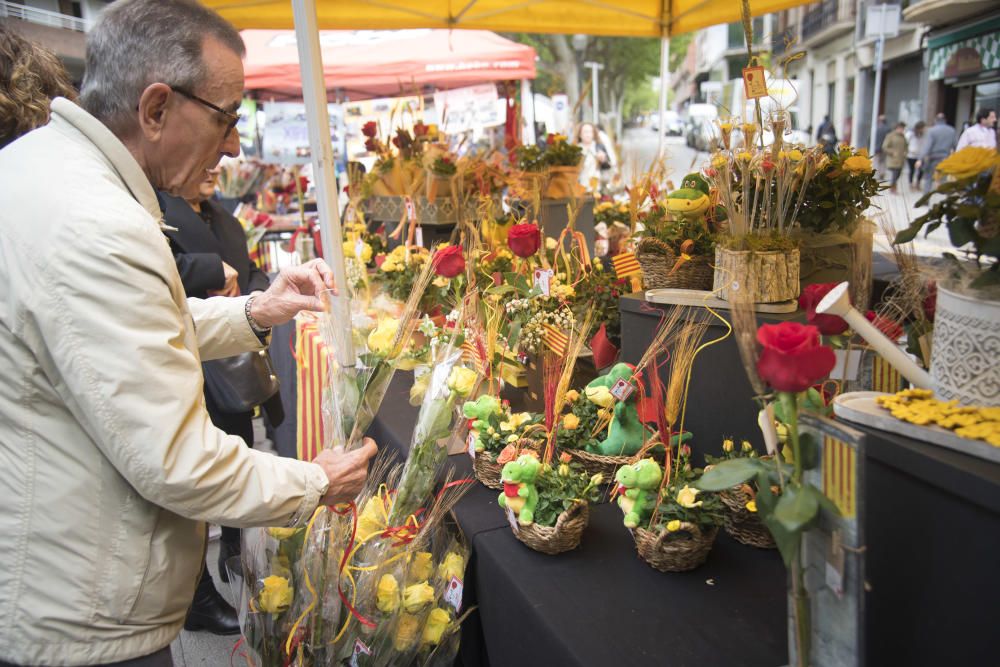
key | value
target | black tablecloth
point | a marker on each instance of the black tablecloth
(600, 604)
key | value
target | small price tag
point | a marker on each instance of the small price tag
(622, 390)
(359, 249)
(419, 239)
(453, 594)
(470, 442)
(754, 83)
(411, 210)
(359, 649)
(512, 520)
(543, 278)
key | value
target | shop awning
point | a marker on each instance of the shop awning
(365, 64)
(628, 18)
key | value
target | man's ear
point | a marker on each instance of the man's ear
(153, 110)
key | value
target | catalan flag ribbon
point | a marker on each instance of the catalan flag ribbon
(310, 381)
(554, 339)
(626, 265)
(885, 377)
(839, 480)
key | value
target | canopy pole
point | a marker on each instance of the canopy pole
(664, 86)
(321, 148)
(527, 113)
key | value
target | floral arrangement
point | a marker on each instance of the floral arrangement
(610, 212)
(680, 234)
(762, 188)
(968, 204)
(399, 270)
(683, 503)
(839, 193)
(561, 487)
(586, 419)
(598, 291)
(494, 428)
(918, 406)
(557, 152)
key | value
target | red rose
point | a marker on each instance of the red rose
(420, 130)
(828, 325)
(793, 358)
(371, 146)
(370, 129)
(930, 301)
(889, 327)
(524, 240)
(449, 262)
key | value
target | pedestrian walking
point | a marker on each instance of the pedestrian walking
(894, 148)
(940, 141)
(983, 133)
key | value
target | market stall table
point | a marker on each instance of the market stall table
(600, 604)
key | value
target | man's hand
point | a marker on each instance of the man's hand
(232, 286)
(347, 471)
(296, 288)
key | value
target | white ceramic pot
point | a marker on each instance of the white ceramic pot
(965, 356)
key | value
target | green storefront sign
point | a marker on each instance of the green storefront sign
(965, 52)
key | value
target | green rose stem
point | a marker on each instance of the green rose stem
(790, 406)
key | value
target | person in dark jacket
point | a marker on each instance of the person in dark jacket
(210, 248)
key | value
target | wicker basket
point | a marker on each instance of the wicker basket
(677, 551)
(487, 470)
(599, 463)
(696, 273)
(564, 536)
(743, 525)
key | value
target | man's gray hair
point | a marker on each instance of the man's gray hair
(140, 42)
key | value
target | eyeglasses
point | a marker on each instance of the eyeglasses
(231, 118)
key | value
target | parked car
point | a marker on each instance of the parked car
(673, 124)
(701, 134)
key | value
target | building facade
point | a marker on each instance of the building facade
(58, 25)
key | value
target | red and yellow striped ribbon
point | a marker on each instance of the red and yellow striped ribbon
(310, 379)
(555, 340)
(839, 481)
(626, 265)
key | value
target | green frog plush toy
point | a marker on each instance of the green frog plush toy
(481, 410)
(638, 485)
(626, 433)
(692, 199)
(519, 492)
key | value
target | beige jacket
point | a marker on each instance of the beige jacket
(109, 465)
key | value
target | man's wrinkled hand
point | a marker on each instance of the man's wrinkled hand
(296, 288)
(347, 471)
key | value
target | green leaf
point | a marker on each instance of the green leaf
(961, 231)
(765, 499)
(823, 501)
(728, 474)
(796, 509)
(809, 451)
(788, 541)
(908, 234)
(986, 279)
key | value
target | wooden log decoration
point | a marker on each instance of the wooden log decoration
(769, 276)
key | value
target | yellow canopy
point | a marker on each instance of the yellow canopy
(627, 18)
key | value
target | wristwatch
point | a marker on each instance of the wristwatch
(257, 329)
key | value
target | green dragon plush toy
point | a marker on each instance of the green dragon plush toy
(626, 433)
(519, 492)
(481, 410)
(638, 485)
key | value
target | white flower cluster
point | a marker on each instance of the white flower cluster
(531, 332)
(356, 272)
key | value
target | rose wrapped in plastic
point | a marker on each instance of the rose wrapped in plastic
(828, 325)
(524, 240)
(792, 358)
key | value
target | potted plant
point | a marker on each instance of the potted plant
(835, 238)
(562, 162)
(967, 313)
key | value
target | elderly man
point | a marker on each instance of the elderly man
(109, 464)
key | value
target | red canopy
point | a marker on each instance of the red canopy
(369, 63)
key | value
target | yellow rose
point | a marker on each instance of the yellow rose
(673, 526)
(745, 156)
(437, 623)
(795, 155)
(453, 565)
(563, 470)
(281, 533)
(422, 566)
(570, 422)
(727, 445)
(276, 595)
(746, 446)
(440, 281)
(857, 164)
(389, 266)
(752, 506)
(719, 161)
(406, 632)
(407, 363)
(599, 396)
(419, 388)
(417, 596)
(551, 243)
(383, 337)
(462, 380)
(686, 497)
(572, 395)
(387, 594)
(372, 518)
(969, 161)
